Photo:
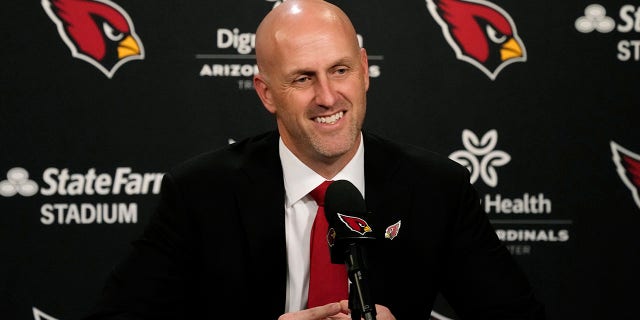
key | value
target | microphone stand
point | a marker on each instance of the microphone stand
(359, 293)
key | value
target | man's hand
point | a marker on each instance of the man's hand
(334, 311)
(382, 312)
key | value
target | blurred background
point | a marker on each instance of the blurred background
(538, 99)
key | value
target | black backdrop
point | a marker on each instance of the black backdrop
(547, 136)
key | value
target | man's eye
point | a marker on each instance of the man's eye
(341, 70)
(301, 80)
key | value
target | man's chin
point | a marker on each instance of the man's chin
(333, 150)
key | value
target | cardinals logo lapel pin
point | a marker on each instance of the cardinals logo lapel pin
(392, 230)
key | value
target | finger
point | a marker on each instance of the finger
(344, 307)
(320, 312)
(383, 313)
(340, 316)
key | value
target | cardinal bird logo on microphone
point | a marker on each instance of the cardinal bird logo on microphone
(628, 165)
(480, 33)
(96, 31)
(355, 224)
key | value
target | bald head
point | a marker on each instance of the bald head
(313, 76)
(294, 19)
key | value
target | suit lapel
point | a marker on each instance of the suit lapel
(388, 198)
(261, 202)
(380, 164)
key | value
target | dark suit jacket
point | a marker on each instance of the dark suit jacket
(216, 246)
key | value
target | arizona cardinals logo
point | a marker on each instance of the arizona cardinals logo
(331, 237)
(628, 165)
(480, 33)
(356, 224)
(97, 31)
(392, 230)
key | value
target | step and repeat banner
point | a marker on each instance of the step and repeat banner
(538, 99)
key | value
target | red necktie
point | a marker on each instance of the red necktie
(327, 281)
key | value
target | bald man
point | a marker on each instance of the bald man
(231, 235)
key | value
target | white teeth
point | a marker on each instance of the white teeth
(330, 119)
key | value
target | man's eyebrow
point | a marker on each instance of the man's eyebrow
(299, 71)
(346, 61)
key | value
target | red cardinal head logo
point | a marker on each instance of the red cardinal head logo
(97, 31)
(355, 224)
(480, 33)
(628, 165)
(392, 230)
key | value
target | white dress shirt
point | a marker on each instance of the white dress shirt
(300, 211)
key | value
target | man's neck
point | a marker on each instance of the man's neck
(327, 167)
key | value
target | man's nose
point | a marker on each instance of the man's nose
(325, 92)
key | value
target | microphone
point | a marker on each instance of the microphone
(349, 236)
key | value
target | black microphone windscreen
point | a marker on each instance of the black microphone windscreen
(349, 238)
(343, 197)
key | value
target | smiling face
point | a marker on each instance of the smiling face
(314, 78)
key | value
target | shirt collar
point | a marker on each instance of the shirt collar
(299, 179)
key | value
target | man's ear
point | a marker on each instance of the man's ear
(364, 60)
(264, 92)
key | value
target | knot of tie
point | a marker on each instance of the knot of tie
(319, 192)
